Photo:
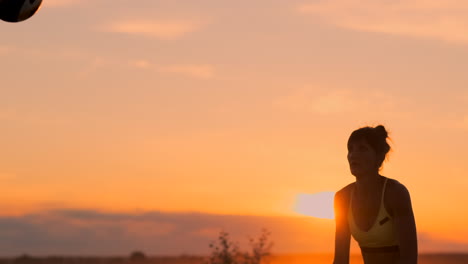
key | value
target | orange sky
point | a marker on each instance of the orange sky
(231, 108)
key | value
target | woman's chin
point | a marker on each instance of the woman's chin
(356, 173)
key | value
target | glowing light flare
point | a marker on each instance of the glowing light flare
(318, 205)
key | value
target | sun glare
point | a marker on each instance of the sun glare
(318, 205)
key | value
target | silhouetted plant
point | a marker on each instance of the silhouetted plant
(227, 252)
(260, 249)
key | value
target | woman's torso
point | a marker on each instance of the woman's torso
(371, 222)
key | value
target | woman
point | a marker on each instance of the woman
(374, 209)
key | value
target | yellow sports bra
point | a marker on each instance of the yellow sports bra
(382, 232)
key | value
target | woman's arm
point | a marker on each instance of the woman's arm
(342, 233)
(405, 226)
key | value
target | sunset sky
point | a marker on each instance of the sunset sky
(116, 110)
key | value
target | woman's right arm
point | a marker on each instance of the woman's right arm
(342, 233)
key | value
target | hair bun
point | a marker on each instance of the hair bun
(381, 131)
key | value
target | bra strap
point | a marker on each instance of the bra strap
(383, 190)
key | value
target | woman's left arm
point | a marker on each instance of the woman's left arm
(405, 225)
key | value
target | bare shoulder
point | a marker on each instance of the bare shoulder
(396, 189)
(341, 202)
(344, 192)
(399, 200)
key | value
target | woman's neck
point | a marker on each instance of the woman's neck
(369, 182)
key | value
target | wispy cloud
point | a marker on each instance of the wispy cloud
(141, 64)
(199, 71)
(305, 100)
(338, 101)
(196, 71)
(442, 20)
(334, 102)
(93, 65)
(63, 3)
(167, 30)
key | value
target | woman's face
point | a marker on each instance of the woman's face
(362, 158)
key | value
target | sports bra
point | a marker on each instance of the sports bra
(382, 232)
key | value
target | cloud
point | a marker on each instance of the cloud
(340, 101)
(167, 30)
(62, 3)
(336, 101)
(199, 71)
(308, 100)
(94, 64)
(88, 232)
(441, 20)
(431, 243)
(207, 232)
(141, 64)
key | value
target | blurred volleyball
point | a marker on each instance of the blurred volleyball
(18, 10)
